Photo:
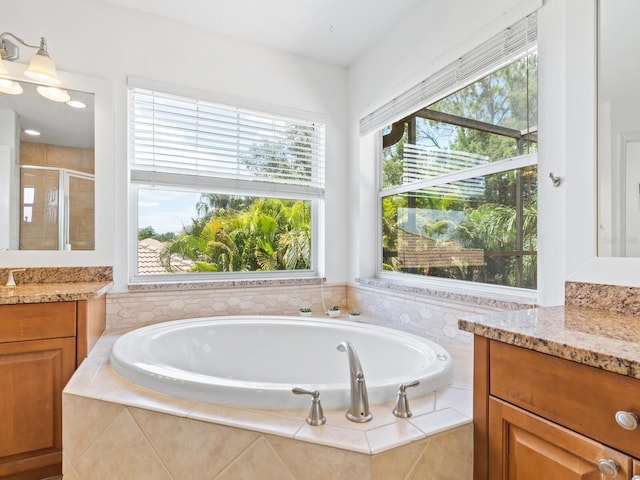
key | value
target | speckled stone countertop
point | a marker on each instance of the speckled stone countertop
(599, 338)
(52, 292)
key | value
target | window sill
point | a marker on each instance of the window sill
(503, 298)
(155, 286)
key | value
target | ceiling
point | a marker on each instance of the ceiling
(333, 31)
(58, 123)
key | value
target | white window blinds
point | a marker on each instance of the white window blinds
(488, 57)
(192, 143)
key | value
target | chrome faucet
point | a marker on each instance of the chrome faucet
(359, 410)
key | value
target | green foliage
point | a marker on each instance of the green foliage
(267, 234)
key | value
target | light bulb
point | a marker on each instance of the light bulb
(54, 93)
(10, 87)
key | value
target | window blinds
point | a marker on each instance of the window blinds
(490, 56)
(187, 142)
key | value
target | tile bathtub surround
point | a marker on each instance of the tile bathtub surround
(613, 298)
(415, 311)
(412, 310)
(58, 274)
(145, 307)
(115, 429)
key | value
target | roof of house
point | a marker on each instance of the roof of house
(149, 262)
(417, 251)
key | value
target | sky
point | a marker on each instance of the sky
(166, 210)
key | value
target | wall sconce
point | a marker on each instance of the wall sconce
(41, 67)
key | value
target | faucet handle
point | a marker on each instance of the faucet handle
(316, 414)
(11, 282)
(402, 404)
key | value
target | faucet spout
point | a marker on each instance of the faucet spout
(359, 410)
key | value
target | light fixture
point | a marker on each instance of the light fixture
(10, 87)
(53, 93)
(76, 104)
(41, 67)
(30, 131)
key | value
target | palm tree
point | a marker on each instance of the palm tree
(268, 234)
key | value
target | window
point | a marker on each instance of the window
(221, 189)
(458, 181)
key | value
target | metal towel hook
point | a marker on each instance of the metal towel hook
(555, 180)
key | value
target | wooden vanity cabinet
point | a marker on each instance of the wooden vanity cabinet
(538, 416)
(39, 345)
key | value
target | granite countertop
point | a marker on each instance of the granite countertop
(52, 292)
(598, 338)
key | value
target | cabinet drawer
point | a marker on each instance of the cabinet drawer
(582, 398)
(37, 321)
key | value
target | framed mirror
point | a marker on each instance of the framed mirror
(618, 128)
(47, 170)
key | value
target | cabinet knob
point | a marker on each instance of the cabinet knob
(627, 420)
(635, 477)
(609, 468)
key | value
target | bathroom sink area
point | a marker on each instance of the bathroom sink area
(47, 328)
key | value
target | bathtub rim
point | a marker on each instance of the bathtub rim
(234, 390)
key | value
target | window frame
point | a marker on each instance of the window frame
(225, 186)
(372, 122)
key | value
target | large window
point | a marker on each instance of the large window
(221, 189)
(458, 182)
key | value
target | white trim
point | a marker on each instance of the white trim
(136, 278)
(619, 198)
(479, 171)
(207, 184)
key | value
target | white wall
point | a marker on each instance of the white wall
(104, 40)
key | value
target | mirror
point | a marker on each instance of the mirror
(618, 128)
(47, 181)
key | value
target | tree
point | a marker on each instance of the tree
(287, 158)
(149, 232)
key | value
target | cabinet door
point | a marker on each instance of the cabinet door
(523, 446)
(32, 376)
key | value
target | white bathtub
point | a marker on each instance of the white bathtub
(256, 361)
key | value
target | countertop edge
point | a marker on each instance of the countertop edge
(573, 351)
(54, 292)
